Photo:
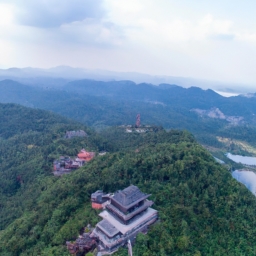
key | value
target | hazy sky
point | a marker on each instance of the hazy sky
(205, 39)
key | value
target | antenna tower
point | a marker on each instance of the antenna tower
(129, 248)
(137, 121)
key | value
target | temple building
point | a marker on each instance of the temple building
(84, 243)
(99, 200)
(125, 214)
(85, 155)
(66, 164)
(72, 134)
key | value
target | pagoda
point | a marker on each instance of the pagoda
(126, 213)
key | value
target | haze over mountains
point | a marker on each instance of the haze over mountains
(121, 92)
(156, 94)
(204, 201)
(59, 75)
(208, 115)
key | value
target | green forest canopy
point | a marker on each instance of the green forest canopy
(202, 209)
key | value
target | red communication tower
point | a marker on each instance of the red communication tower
(138, 121)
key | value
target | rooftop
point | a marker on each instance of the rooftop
(128, 216)
(107, 228)
(129, 196)
(125, 228)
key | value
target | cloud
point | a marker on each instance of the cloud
(91, 32)
(56, 22)
(180, 38)
(6, 14)
(225, 37)
(212, 28)
(246, 37)
(48, 14)
(182, 30)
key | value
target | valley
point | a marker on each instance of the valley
(127, 128)
(40, 212)
(218, 123)
(150, 153)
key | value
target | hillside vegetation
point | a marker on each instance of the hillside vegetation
(202, 209)
(29, 142)
(104, 104)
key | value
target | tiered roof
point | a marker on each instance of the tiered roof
(126, 213)
(128, 216)
(107, 228)
(125, 228)
(128, 197)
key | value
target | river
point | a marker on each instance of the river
(248, 160)
(248, 178)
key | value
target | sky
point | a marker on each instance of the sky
(205, 39)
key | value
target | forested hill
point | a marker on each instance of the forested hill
(114, 92)
(164, 93)
(18, 120)
(30, 140)
(102, 111)
(103, 104)
(202, 209)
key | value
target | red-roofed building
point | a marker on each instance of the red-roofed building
(86, 156)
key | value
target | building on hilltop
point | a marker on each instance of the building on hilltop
(66, 164)
(99, 200)
(85, 155)
(84, 243)
(102, 153)
(126, 213)
(72, 134)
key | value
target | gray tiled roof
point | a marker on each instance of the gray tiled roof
(128, 195)
(107, 228)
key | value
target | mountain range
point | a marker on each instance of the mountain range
(59, 75)
(208, 115)
(202, 209)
